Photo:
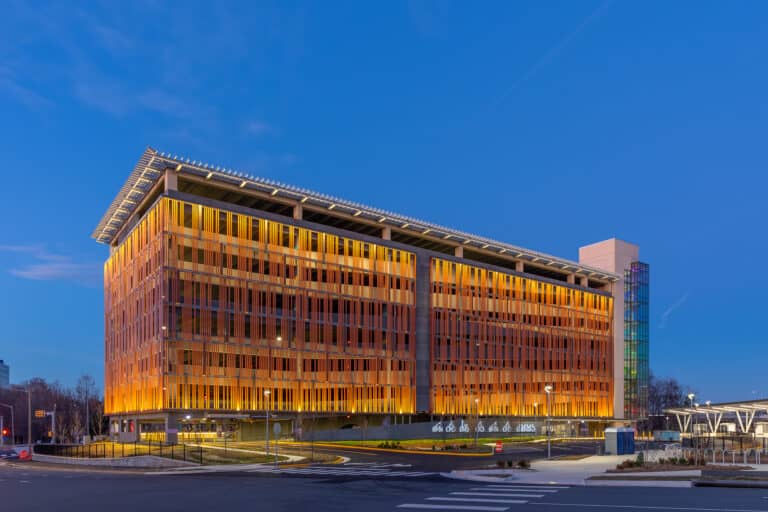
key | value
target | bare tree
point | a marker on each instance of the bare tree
(84, 391)
(664, 393)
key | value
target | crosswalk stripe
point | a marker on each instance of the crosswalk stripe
(524, 489)
(477, 500)
(452, 507)
(504, 495)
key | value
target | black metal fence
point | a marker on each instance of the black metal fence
(121, 450)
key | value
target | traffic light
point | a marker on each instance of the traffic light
(5, 432)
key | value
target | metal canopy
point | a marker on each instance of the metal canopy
(743, 412)
(152, 165)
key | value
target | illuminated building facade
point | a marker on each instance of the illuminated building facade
(231, 296)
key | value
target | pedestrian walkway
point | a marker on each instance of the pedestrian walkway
(489, 498)
(358, 470)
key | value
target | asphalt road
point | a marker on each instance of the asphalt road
(32, 488)
(432, 462)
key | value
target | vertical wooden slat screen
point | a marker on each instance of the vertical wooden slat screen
(206, 309)
(500, 338)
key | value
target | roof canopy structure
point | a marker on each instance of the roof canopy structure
(150, 170)
(743, 412)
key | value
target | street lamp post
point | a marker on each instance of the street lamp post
(548, 389)
(477, 419)
(29, 414)
(691, 396)
(266, 398)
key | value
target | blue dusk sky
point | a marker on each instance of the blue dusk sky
(548, 125)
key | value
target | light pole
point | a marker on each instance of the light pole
(266, 398)
(477, 419)
(29, 414)
(691, 396)
(13, 423)
(548, 389)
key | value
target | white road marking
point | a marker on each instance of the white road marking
(503, 495)
(521, 486)
(452, 507)
(646, 507)
(341, 471)
(23, 481)
(523, 489)
(477, 500)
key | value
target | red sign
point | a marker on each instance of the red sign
(499, 446)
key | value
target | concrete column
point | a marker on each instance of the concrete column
(459, 251)
(519, 266)
(171, 180)
(583, 281)
(423, 370)
(172, 427)
(386, 233)
(571, 279)
(298, 212)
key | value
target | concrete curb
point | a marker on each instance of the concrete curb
(639, 483)
(745, 484)
(138, 461)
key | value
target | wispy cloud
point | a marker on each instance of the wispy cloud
(43, 265)
(258, 128)
(10, 84)
(553, 52)
(665, 315)
(112, 97)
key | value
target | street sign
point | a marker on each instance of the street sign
(499, 447)
(39, 413)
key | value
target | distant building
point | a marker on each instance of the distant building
(5, 374)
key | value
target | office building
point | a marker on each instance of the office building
(229, 296)
(5, 374)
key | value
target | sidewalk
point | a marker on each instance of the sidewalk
(573, 472)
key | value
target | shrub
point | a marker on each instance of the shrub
(524, 464)
(500, 463)
(463, 447)
(662, 460)
(640, 461)
(510, 463)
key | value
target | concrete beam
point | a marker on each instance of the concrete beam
(171, 180)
